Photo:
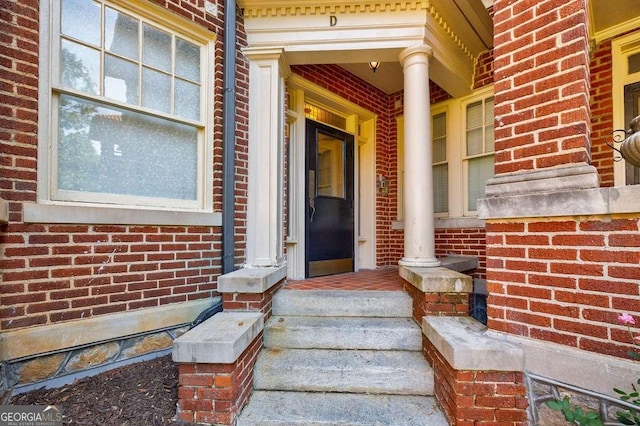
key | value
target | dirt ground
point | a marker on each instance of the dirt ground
(141, 394)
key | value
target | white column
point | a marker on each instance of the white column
(267, 71)
(419, 231)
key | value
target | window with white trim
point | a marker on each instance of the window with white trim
(478, 151)
(129, 104)
(463, 154)
(440, 169)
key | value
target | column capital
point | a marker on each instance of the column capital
(256, 54)
(421, 50)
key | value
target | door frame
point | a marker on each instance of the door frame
(301, 90)
(621, 49)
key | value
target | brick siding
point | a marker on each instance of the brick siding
(541, 84)
(565, 280)
(52, 273)
(483, 75)
(436, 304)
(262, 302)
(602, 112)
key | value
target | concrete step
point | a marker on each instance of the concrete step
(343, 333)
(342, 303)
(269, 408)
(352, 371)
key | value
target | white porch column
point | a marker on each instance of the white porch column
(419, 231)
(267, 71)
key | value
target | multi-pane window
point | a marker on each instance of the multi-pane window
(479, 149)
(440, 165)
(128, 99)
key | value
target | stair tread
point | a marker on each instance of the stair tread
(338, 322)
(342, 303)
(328, 370)
(272, 408)
(343, 333)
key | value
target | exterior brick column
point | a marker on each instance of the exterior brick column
(437, 303)
(472, 397)
(542, 111)
(214, 392)
(479, 378)
(217, 357)
(437, 291)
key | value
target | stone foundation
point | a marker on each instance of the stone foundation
(65, 365)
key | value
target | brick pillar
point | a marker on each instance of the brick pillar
(437, 291)
(476, 397)
(542, 112)
(214, 393)
(449, 303)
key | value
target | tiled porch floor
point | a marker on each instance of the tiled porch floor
(386, 279)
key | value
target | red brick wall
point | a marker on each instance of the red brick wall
(436, 304)
(602, 112)
(242, 136)
(483, 75)
(541, 84)
(565, 280)
(52, 273)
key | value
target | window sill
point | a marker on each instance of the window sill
(53, 213)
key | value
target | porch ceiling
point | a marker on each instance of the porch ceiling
(365, 30)
(612, 18)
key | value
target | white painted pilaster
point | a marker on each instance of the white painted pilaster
(267, 71)
(419, 230)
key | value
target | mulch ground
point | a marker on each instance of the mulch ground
(141, 394)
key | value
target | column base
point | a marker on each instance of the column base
(419, 262)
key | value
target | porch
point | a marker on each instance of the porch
(312, 350)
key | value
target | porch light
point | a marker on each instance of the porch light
(374, 65)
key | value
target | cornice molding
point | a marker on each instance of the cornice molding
(262, 9)
(266, 9)
(447, 29)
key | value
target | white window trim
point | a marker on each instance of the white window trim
(478, 96)
(50, 211)
(435, 111)
(621, 49)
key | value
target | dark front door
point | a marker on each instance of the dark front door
(329, 198)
